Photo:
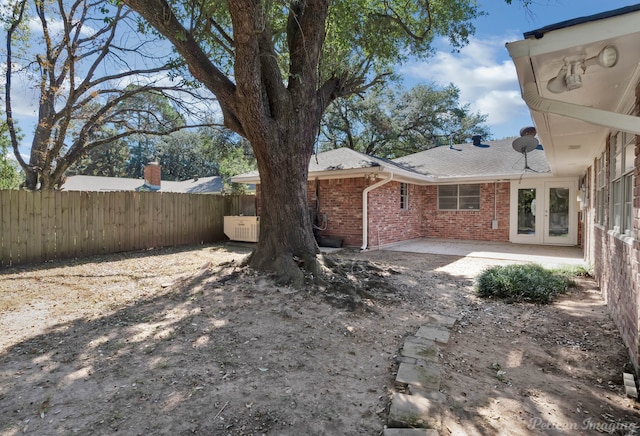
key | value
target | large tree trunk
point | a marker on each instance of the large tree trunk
(286, 241)
(279, 115)
(286, 246)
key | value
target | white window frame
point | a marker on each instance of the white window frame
(622, 152)
(601, 186)
(404, 196)
(458, 197)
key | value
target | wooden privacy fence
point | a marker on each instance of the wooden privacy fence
(41, 226)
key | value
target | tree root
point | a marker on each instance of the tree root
(355, 286)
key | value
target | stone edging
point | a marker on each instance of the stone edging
(416, 406)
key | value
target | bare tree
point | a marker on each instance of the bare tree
(89, 63)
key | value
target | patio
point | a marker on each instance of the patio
(546, 255)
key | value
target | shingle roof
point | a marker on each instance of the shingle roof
(342, 159)
(467, 160)
(346, 159)
(202, 185)
(499, 160)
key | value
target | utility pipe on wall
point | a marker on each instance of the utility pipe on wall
(365, 217)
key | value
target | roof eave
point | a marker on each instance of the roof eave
(490, 178)
(582, 33)
(399, 175)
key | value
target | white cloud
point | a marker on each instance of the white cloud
(56, 27)
(24, 92)
(202, 104)
(486, 78)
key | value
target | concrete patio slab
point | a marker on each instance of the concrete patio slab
(546, 255)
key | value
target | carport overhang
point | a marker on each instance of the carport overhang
(573, 124)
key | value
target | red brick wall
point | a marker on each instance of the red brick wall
(388, 223)
(469, 224)
(341, 202)
(616, 264)
(618, 277)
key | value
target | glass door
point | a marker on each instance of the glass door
(544, 212)
(559, 207)
(527, 211)
(526, 225)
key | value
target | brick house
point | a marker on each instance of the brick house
(482, 191)
(581, 81)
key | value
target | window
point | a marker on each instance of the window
(601, 185)
(622, 166)
(404, 196)
(459, 197)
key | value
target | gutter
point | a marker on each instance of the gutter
(613, 120)
(365, 213)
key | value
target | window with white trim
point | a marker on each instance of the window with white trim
(404, 196)
(459, 197)
(601, 185)
(622, 165)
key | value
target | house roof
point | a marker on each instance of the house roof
(459, 162)
(499, 160)
(578, 78)
(345, 163)
(202, 185)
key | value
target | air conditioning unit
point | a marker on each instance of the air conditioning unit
(242, 228)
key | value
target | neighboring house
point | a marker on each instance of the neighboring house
(152, 182)
(581, 81)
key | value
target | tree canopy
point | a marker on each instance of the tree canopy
(275, 67)
(94, 75)
(392, 122)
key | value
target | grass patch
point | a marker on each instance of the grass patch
(526, 283)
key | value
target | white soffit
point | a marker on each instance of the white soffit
(571, 144)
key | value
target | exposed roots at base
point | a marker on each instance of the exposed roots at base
(353, 285)
(357, 285)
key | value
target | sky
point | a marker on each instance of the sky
(483, 70)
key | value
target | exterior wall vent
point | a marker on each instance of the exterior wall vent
(242, 228)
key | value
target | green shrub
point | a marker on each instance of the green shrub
(529, 282)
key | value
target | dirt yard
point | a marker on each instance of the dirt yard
(180, 341)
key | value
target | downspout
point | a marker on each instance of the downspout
(613, 120)
(365, 214)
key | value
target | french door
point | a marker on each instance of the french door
(544, 212)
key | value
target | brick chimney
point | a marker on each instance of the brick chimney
(152, 175)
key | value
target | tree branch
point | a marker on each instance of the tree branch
(17, 17)
(395, 17)
(160, 15)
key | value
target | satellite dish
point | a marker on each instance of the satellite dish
(524, 144)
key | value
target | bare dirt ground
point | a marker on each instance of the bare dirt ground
(181, 341)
